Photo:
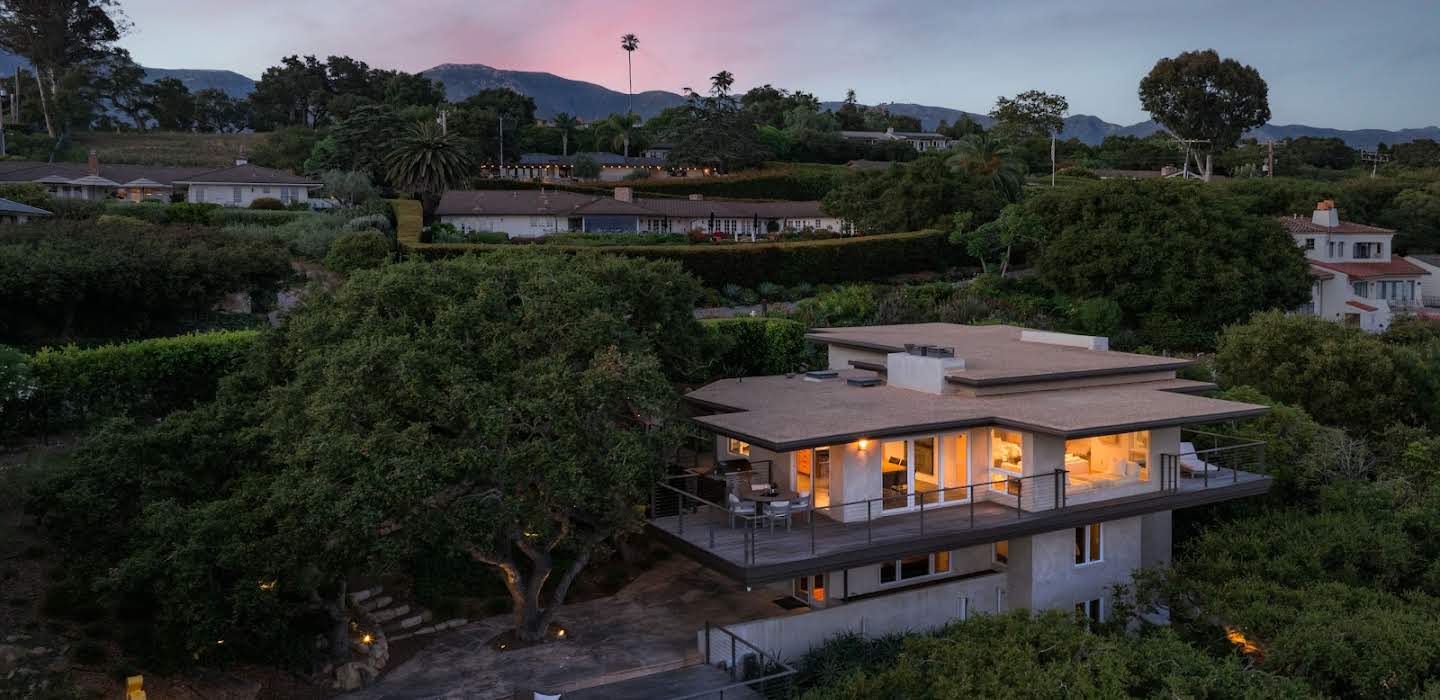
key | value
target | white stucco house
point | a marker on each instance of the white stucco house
(1355, 275)
(233, 186)
(935, 471)
(536, 213)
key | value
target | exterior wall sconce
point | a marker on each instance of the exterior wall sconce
(863, 444)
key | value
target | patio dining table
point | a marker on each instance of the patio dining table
(762, 497)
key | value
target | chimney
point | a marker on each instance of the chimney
(1326, 214)
(890, 130)
(921, 368)
(697, 197)
(625, 194)
(92, 164)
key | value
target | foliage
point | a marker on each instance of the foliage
(368, 222)
(981, 155)
(758, 346)
(922, 193)
(1047, 655)
(749, 264)
(348, 186)
(427, 161)
(586, 167)
(60, 279)
(1181, 260)
(140, 378)
(267, 203)
(31, 193)
(712, 131)
(994, 242)
(1338, 373)
(358, 250)
(1197, 95)
(1030, 114)
(306, 237)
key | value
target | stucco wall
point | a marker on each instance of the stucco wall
(1043, 573)
(515, 226)
(225, 194)
(920, 609)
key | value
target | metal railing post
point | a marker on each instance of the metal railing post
(680, 513)
(654, 499)
(733, 665)
(869, 532)
(811, 518)
(972, 506)
(707, 643)
(922, 512)
(1019, 498)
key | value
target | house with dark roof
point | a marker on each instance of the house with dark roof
(921, 141)
(535, 213)
(236, 185)
(1355, 275)
(12, 212)
(613, 167)
(934, 471)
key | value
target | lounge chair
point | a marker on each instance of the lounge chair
(1190, 462)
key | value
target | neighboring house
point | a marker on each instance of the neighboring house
(1355, 275)
(941, 470)
(919, 140)
(12, 212)
(95, 181)
(536, 213)
(613, 167)
(659, 151)
(243, 183)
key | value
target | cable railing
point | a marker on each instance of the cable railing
(1207, 459)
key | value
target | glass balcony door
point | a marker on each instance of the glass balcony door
(907, 468)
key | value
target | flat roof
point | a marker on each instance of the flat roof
(785, 413)
(996, 354)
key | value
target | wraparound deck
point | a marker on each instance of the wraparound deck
(754, 551)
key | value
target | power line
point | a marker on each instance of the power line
(1375, 159)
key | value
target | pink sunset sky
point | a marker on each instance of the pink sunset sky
(1328, 62)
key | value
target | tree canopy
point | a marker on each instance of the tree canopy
(1198, 95)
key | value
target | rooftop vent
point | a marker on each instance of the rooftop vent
(863, 381)
(929, 350)
(820, 375)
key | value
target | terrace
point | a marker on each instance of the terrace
(690, 509)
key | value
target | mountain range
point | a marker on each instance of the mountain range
(554, 94)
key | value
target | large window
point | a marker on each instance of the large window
(810, 589)
(1106, 460)
(918, 566)
(739, 447)
(1092, 610)
(957, 470)
(1089, 544)
(895, 475)
(1006, 460)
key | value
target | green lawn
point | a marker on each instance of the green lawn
(167, 147)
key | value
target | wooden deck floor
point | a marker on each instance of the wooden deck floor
(711, 531)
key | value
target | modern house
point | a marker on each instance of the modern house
(935, 471)
(1355, 275)
(613, 167)
(536, 213)
(238, 185)
(12, 212)
(919, 140)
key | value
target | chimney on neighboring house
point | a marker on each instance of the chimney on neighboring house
(890, 131)
(625, 194)
(92, 164)
(1326, 214)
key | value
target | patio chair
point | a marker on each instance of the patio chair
(779, 510)
(738, 507)
(802, 504)
(1191, 464)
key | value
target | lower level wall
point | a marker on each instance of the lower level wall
(915, 610)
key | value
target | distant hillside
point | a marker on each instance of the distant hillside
(197, 79)
(552, 93)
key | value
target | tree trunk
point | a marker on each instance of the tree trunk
(1207, 166)
(564, 144)
(339, 625)
(531, 615)
(44, 104)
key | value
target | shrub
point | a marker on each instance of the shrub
(31, 193)
(307, 237)
(358, 250)
(751, 346)
(189, 212)
(145, 377)
(151, 212)
(224, 216)
(117, 222)
(369, 222)
(409, 219)
(615, 239)
(268, 203)
(1098, 316)
(75, 209)
(447, 233)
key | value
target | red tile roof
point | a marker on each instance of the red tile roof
(1396, 267)
(1362, 307)
(1303, 225)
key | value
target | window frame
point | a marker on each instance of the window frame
(1093, 610)
(1089, 538)
(736, 446)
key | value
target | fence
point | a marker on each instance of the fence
(752, 671)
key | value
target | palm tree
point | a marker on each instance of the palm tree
(629, 42)
(982, 154)
(721, 82)
(427, 160)
(566, 124)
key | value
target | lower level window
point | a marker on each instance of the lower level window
(810, 588)
(1002, 552)
(739, 447)
(915, 567)
(1092, 610)
(1088, 544)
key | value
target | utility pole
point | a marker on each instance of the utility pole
(1270, 158)
(444, 121)
(3, 95)
(500, 128)
(1375, 159)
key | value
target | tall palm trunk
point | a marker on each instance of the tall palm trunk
(630, 105)
(44, 105)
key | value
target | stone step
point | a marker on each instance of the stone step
(429, 629)
(376, 603)
(358, 597)
(408, 622)
(388, 614)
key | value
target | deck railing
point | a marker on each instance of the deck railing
(1207, 459)
(752, 671)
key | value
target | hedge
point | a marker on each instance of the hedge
(758, 345)
(145, 377)
(786, 263)
(409, 220)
